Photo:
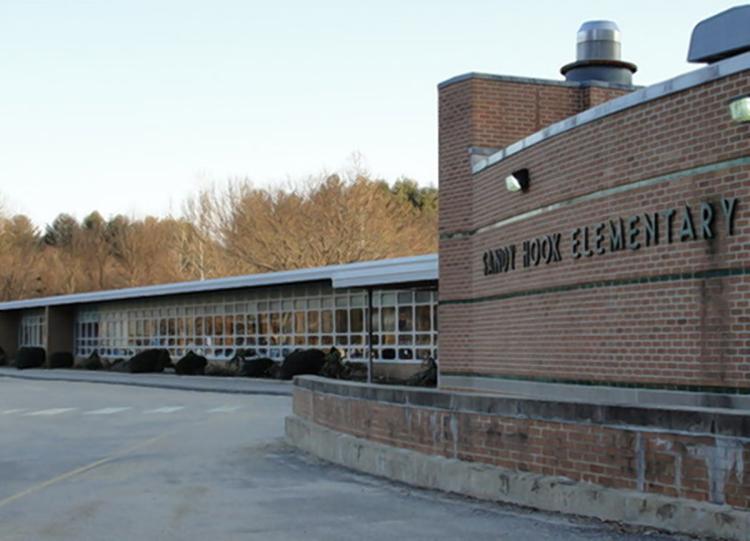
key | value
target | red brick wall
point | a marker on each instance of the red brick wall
(495, 113)
(599, 318)
(694, 466)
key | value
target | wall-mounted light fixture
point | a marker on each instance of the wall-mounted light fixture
(517, 181)
(739, 108)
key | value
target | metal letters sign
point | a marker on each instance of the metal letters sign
(632, 233)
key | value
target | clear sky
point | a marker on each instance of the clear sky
(129, 106)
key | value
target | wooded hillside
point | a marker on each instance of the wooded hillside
(239, 229)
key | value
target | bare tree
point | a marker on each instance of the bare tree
(238, 229)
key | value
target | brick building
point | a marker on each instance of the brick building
(594, 298)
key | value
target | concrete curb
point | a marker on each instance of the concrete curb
(197, 385)
(485, 482)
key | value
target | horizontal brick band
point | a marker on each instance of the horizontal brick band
(671, 277)
(599, 194)
(607, 383)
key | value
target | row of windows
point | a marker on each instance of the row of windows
(404, 325)
(32, 330)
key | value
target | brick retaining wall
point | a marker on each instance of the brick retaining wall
(691, 454)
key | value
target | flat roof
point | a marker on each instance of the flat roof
(382, 272)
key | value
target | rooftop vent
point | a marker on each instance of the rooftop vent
(598, 53)
(721, 36)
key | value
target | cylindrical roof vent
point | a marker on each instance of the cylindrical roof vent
(598, 53)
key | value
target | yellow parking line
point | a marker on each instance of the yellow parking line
(82, 469)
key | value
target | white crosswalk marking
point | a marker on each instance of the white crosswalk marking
(224, 409)
(107, 411)
(52, 411)
(110, 410)
(166, 409)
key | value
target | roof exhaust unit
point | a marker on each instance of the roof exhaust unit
(598, 53)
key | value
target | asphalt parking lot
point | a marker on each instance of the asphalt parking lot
(83, 461)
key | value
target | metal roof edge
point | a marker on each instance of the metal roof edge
(531, 80)
(712, 72)
(364, 273)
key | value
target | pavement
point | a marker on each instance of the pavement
(166, 380)
(83, 461)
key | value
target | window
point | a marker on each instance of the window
(269, 322)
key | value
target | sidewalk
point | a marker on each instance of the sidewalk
(209, 384)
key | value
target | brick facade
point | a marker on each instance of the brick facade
(666, 314)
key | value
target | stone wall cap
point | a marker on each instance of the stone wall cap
(675, 419)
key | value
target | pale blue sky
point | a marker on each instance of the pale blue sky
(129, 106)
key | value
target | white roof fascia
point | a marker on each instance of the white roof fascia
(364, 274)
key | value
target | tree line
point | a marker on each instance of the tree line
(234, 230)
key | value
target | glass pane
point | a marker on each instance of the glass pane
(424, 339)
(263, 326)
(286, 323)
(313, 322)
(405, 319)
(357, 320)
(326, 321)
(299, 322)
(342, 321)
(388, 319)
(405, 354)
(423, 318)
(405, 297)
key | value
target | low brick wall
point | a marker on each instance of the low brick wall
(691, 454)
